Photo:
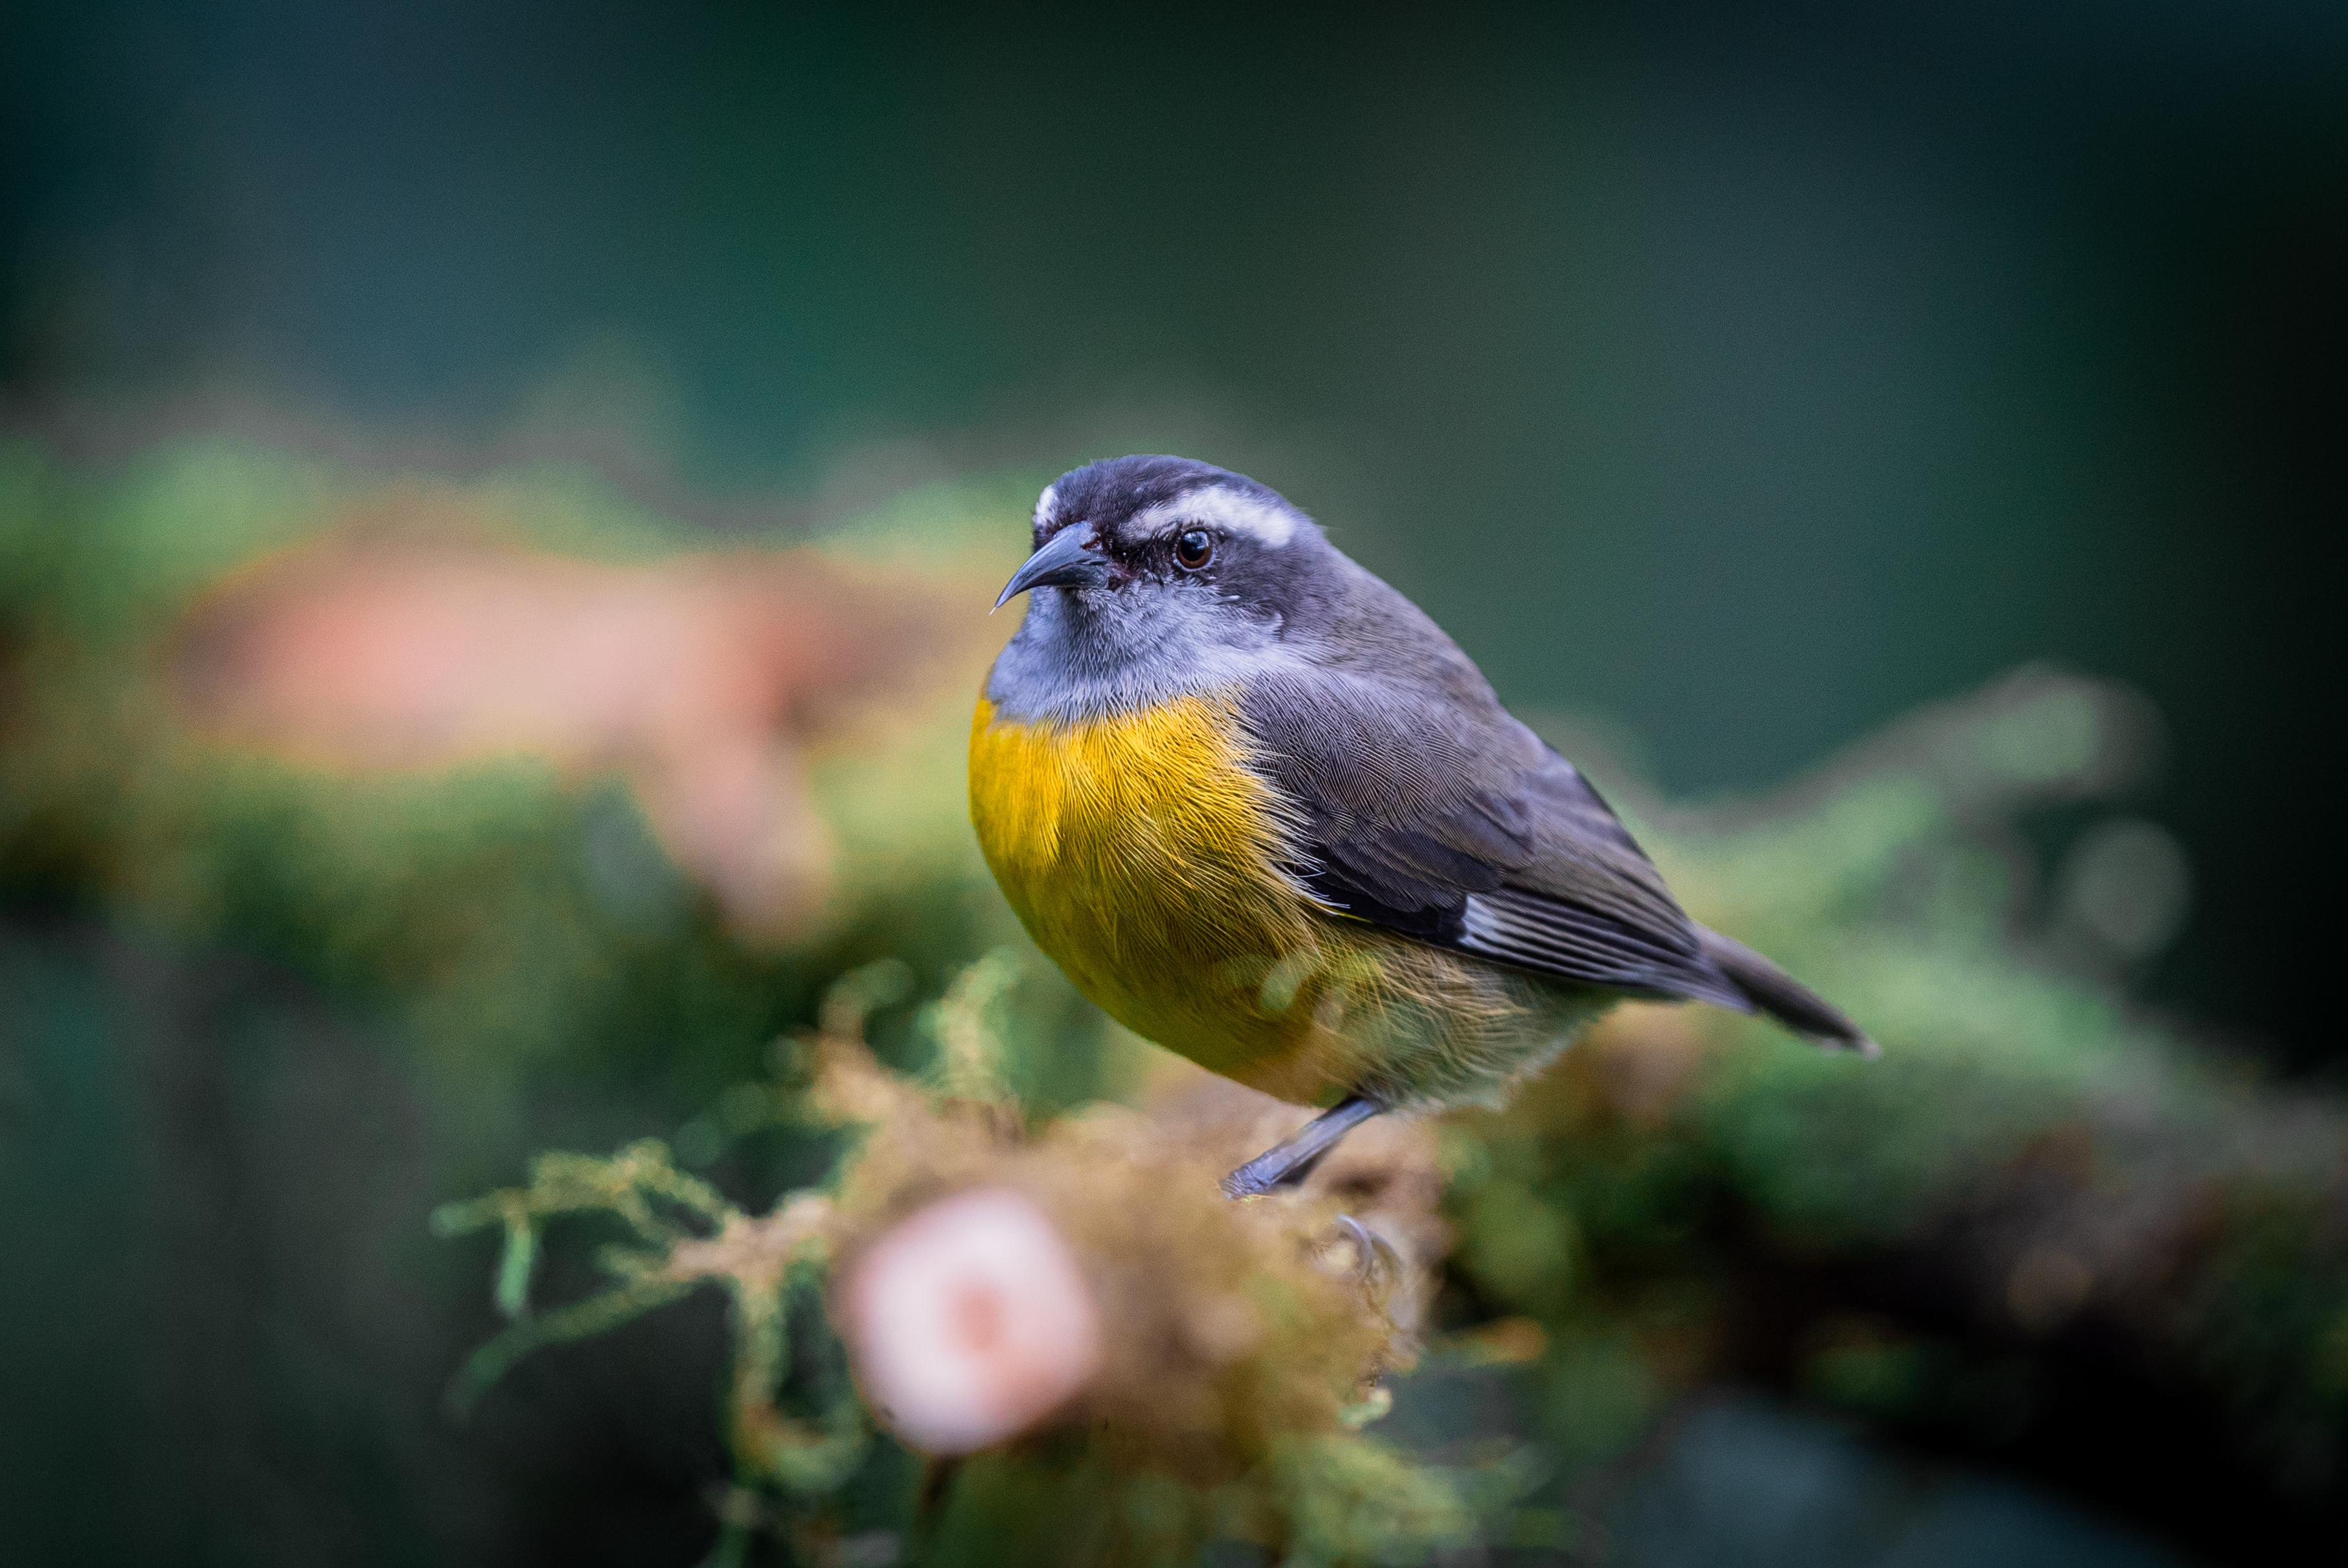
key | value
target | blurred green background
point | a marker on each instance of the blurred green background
(1731, 380)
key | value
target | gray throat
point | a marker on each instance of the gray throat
(1086, 654)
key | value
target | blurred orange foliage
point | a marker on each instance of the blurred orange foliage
(417, 643)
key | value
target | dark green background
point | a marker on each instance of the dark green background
(1745, 374)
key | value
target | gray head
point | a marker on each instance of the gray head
(1135, 526)
(1155, 575)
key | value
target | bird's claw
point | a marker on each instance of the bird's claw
(1374, 1258)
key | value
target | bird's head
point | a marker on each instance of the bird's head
(1153, 575)
(1165, 532)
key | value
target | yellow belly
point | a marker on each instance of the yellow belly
(1142, 853)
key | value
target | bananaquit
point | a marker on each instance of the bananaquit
(1263, 811)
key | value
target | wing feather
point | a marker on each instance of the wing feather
(1434, 812)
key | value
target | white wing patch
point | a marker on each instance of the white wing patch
(1266, 522)
(1490, 928)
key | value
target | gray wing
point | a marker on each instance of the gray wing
(1432, 813)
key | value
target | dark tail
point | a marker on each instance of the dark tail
(1771, 990)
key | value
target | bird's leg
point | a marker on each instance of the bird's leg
(1287, 1163)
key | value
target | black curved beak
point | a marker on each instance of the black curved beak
(1070, 559)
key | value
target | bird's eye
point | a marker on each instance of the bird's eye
(1194, 548)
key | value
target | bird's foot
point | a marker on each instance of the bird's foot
(1375, 1265)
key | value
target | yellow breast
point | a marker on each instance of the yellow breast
(1142, 855)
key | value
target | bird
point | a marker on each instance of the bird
(1263, 811)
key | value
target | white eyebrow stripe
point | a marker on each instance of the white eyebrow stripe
(1267, 522)
(1045, 503)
